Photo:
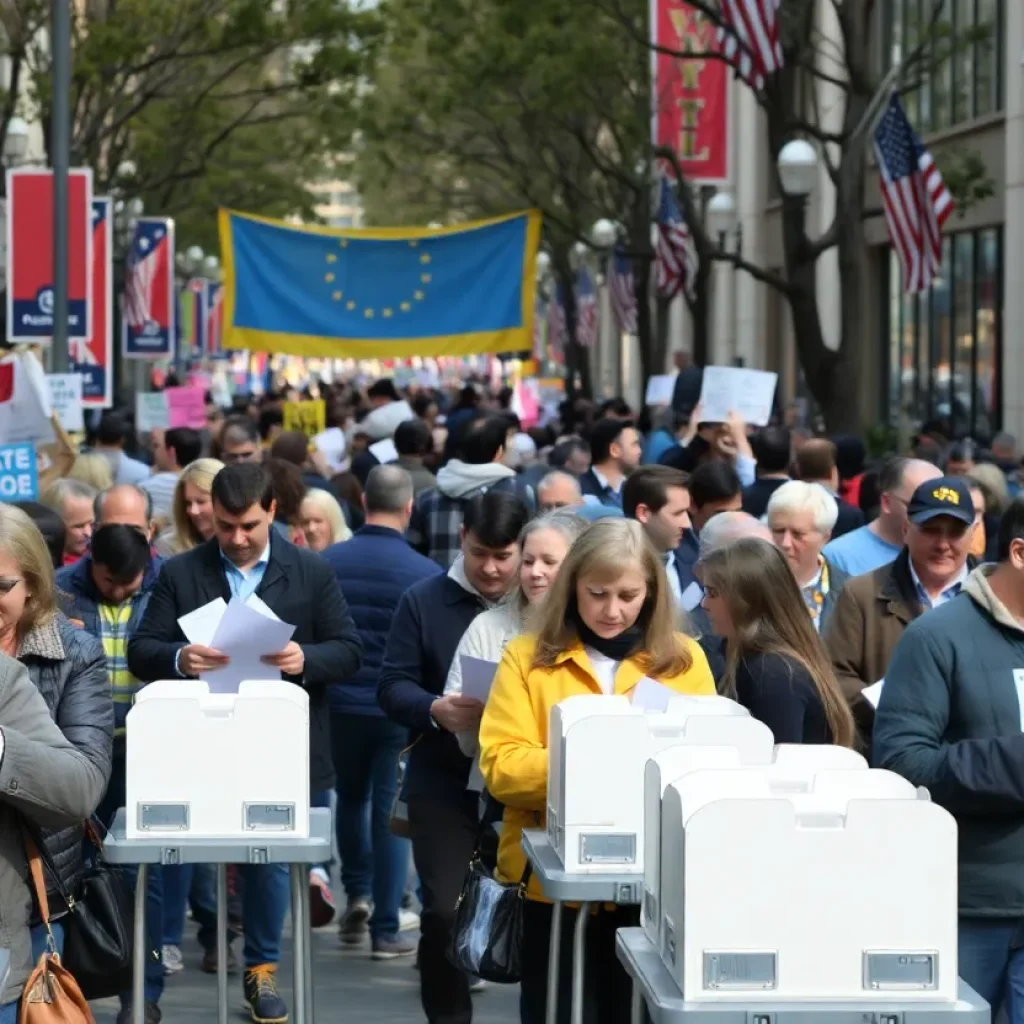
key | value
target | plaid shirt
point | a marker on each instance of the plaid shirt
(437, 519)
(114, 621)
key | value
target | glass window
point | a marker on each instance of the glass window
(987, 59)
(986, 331)
(911, 30)
(962, 396)
(963, 63)
(892, 33)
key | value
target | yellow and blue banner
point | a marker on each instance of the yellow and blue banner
(379, 293)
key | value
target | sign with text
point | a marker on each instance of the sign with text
(748, 393)
(66, 400)
(151, 411)
(30, 255)
(691, 96)
(148, 312)
(93, 357)
(19, 473)
(307, 417)
(186, 407)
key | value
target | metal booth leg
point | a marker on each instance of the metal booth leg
(636, 1006)
(307, 933)
(222, 944)
(578, 957)
(141, 947)
(554, 962)
(299, 897)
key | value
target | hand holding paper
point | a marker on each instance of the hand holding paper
(651, 695)
(290, 661)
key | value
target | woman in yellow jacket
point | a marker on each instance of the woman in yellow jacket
(607, 622)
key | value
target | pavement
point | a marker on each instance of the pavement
(349, 988)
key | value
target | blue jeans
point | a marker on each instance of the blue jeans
(9, 1011)
(113, 799)
(374, 863)
(991, 954)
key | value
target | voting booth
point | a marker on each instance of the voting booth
(218, 765)
(598, 746)
(796, 881)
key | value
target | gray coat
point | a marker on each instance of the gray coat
(44, 778)
(70, 671)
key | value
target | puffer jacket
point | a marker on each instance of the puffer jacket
(69, 669)
(45, 779)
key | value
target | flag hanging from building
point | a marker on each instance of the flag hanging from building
(586, 309)
(215, 320)
(675, 255)
(93, 358)
(148, 301)
(749, 38)
(622, 286)
(379, 293)
(192, 318)
(916, 200)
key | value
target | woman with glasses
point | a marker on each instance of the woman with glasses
(191, 509)
(69, 670)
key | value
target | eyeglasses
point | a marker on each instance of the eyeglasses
(8, 583)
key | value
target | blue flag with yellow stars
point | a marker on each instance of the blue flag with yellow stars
(379, 292)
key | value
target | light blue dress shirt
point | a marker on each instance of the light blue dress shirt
(244, 584)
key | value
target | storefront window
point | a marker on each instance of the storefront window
(988, 324)
(987, 59)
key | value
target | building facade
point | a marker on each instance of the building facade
(943, 354)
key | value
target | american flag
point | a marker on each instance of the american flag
(145, 297)
(749, 38)
(586, 309)
(214, 319)
(622, 288)
(557, 330)
(675, 255)
(916, 200)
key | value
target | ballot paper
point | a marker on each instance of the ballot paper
(873, 693)
(748, 393)
(200, 625)
(245, 634)
(384, 451)
(477, 676)
(651, 695)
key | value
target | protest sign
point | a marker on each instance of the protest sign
(310, 418)
(748, 393)
(186, 407)
(151, 411)
(66, 399)
(19, 474)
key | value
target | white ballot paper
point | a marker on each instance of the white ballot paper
(477, 676)
(748, 393)
(384, 451)
(200, 625)
(651, 695)
(873, 693)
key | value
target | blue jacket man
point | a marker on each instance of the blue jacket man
(374, 568)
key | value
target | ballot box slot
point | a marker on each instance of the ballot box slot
(907, 971)
(736, 972)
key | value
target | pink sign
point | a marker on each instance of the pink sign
(186, 407)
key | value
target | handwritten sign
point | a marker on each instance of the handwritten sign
(659, 389)
(66, 399)
(151, 411)
(19, 473)
(748, 393)
(186, 407)
(309, 418)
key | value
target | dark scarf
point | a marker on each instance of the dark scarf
(618, 648)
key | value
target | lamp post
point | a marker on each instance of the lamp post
(15, 142)
(604, 234)
(798, 168)
(722, 225)
(60, 152)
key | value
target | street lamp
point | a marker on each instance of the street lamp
(211, 268)
(604, 234)
(798, 168)
(543, 265)
(126, 170)
(721, 217)
(16, 141)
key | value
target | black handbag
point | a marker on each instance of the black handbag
(99, 926)
(487, 939)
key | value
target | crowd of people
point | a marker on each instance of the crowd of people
(874, 605)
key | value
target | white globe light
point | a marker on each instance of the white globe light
(604, 233)
(135, 207)
(211, 266)
(721, 213)
(126, 169)
(543, 263)
(194, 254)
(16, 142)
(798, 167)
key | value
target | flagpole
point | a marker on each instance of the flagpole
(60, 152)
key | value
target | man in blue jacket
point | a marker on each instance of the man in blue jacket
(375, 568)
(950, 719)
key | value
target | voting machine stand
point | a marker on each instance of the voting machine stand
(655, 988)
(298, 854)
(240, 797)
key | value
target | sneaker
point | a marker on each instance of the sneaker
(392, 948)
(354, 921)
(151, 1013)
(209, 964)
(408, 921)
(265, 1003)
(322, 910)
(476, 984)
(173, 962)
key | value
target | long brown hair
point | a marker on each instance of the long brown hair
(769, 616)
(602, 552)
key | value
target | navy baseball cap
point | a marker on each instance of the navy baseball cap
(945, 496)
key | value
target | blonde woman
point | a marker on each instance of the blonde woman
(605, 624)
(323, 522)
(92, 469)
(776, 665)
(191, 509)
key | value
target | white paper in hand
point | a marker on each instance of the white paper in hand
(651, 695)
(873, 693)
(477, 676)
(200, 625)
(384, 451)
(245, 635)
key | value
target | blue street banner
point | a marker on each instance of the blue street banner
(192, 319)
(379, 293)
(19, 473)
(214, 318)
(30, 255)
(93, 357)
(148, 301)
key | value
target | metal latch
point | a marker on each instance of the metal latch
(740, 971)
(163, 817)
(917, 970)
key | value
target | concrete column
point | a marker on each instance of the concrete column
(750, 174)
(1013, 232)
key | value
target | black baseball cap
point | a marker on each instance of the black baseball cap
(944, 496)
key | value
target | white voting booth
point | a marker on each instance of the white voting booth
(800, 882)
(241, 761)
(595, 802)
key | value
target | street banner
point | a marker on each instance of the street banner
(30, 255)
(148, 301)
(692, 97)
(93, 357)
(192, 319)
(214, 319)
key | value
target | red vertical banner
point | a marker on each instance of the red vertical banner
(692, 95)
(94, 357)
(30, 255)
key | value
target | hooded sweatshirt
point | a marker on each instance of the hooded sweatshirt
(950, 719)
(462, 480)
